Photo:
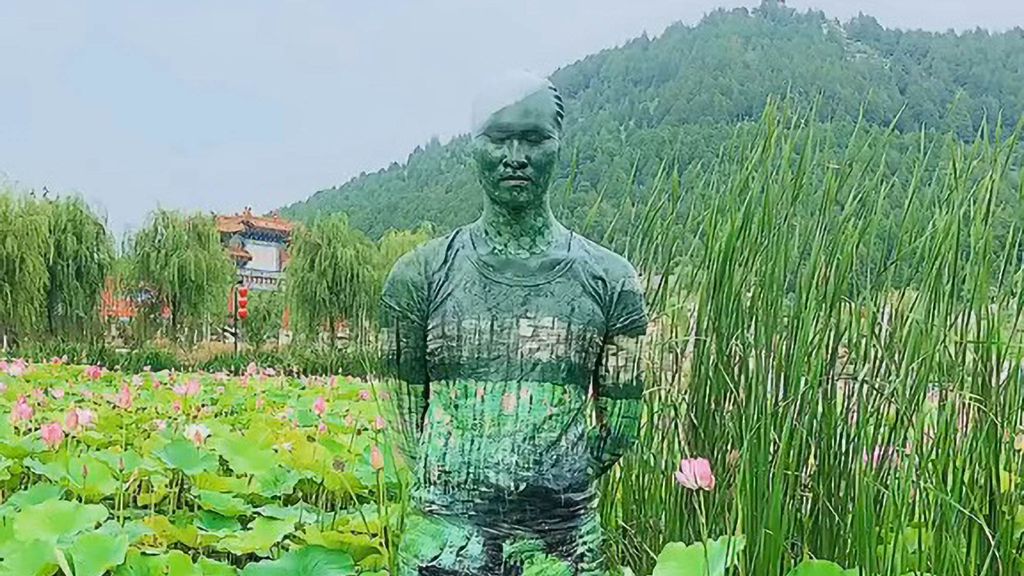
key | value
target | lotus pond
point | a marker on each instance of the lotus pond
(191, 474)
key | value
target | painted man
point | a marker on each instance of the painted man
(513, 344)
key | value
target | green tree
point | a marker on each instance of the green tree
(266, 312)
(79, 260)
(332, 276)
(24, 279)
(179, 262)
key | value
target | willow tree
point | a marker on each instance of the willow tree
(178, 262)
(24, 245)
(79, 260)
(332, 277)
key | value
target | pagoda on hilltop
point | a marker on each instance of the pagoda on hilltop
(258, 245)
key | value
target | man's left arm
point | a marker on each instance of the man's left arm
(618, 384)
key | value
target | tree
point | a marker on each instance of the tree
(266, 312)
(178, 262)
(24, 245)
(79, 261)
(332, 276)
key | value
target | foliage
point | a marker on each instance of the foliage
(678, 98)
(80, 258)
(24, 249)
(178, 262)
(196, 474)
(331, 276)
(266, 315)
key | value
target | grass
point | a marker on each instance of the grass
(843, 343)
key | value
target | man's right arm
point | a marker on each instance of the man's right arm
(403, 326)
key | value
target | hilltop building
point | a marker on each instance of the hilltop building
(258, 245)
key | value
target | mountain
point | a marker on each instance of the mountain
(678, 97)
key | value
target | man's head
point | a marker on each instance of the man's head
(517, 128)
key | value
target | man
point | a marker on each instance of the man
(512, 343)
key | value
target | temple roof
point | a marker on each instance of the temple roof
(239, 253)
(247, 221)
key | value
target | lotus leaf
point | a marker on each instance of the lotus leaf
(215, 523)
(821, 568)
(243, 455)
(181, 454)
(34, 558)
(306, 561)
(710, 558)
(225, 504)
(263, 533)
(95, 553)
(52, 519)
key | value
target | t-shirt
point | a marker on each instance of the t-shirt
(500, 357)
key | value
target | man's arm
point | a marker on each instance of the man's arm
(618, 386)
(403, 326)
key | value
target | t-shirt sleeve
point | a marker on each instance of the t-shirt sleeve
(627, 314)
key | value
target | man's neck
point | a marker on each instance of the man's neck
(520, 232)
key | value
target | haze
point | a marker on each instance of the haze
(215, 106)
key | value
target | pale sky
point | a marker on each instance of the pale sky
(214, 106)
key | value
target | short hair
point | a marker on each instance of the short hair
(508, 89)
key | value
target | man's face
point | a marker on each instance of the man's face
(516, 151)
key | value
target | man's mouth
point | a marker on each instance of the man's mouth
(515, 179)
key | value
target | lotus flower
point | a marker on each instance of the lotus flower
(364, 395)
(3, 387)
(252, 369)
(160, 424)
(124, 398)
(94, 372)
(376, 458)
(380, 423)
(269, 372)
(322, 428)
(86, 418)
(57, 393)
(695, 474)
(4, 366)
(52, 434)
(197, 433)
(320, 406)
(220, 390)
(17, 369)
(260, 402)
(22, 411)
(190, 388)
(508, 403)
(350, 421)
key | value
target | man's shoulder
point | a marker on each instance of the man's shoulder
(607, 263)
(427, 256)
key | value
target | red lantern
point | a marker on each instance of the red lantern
(243, 302)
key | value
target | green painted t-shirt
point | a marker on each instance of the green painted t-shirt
(519, 378)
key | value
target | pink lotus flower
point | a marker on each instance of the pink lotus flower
(244, 382)
(220, 390)
(260, 403)
(480, 393)
(252, 369)
(322, 428)
(17, 369)
(22, 411)
(87, 394)
(124, 398)
(508, 403)
(3, 387)
(136, 380)
(4, 366)
(79, 419)
(380, 423)
(190, 388)
(58, 361)
(320, 406)
(220, 377)
(350, 421)
(160, 425)
(364, 395)
(376, 458)
(52, 434)
(197, 433)
(269, 372)
(94, 372)
(86, 418)
(176, 406)
(38, 395)
(57, 393)
(695, 474)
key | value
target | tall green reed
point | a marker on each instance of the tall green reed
(842, 341)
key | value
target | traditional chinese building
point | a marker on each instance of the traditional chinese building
(258, 245)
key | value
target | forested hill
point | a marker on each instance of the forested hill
(679, 96)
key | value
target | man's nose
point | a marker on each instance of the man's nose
(515, 158)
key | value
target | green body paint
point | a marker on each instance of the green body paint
(513, 347)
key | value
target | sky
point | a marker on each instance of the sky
(215, 106)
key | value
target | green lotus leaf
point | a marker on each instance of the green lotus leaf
(52, 519)
(97, 484)
(94, 553)
(215, 523)
(56, 471)
(306, 418)
(821, 568)
(258, 539)
(360, 546)
(711, 558)
(225, 504)
(277, 481)
(181, 454)
(306, 561)
(133, 530)
(303, 513)
(36, 494)
(213, 568)
(170, 533)
(129, 460)
(216, 483)
(34, 558)
(243, 455)
(5, 464)
(174, 563)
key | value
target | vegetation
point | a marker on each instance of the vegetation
(178, 262)
(678, 98)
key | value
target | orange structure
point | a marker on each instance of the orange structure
(258, 245)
